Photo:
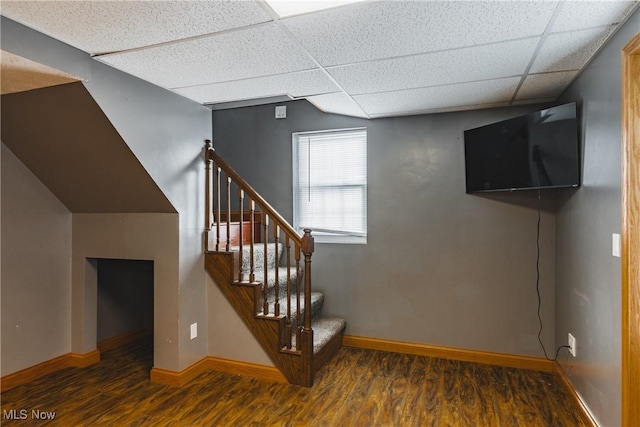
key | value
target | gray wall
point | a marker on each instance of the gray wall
(142, 236)
(440, 267)
(166, 133)
(587, 275)
(125, 297)
(36, 269)
(65, 139)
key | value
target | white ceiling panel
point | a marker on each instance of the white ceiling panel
(569, 51)
(337, 103)
(548, 85)
(300, 84)
(256, 51)
(433, 69)
(375, 30)
(110, 26)
(439, 97)
(375, 58)
(285, 8)
(577, 15)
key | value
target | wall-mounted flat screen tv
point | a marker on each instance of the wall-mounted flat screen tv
(534, 151)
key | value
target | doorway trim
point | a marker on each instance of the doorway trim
(631, 232)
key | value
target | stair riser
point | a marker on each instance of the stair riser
(317, 299)
(258, 256)
(282, 282)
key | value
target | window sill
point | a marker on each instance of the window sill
(348, 240)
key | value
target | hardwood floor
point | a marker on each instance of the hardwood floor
(358, 388)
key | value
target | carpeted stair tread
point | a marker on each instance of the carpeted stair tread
(317, 299)
(324, 328)
(271, 279)
(258, 267)
(259, 254)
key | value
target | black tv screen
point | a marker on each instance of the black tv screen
(538, 150)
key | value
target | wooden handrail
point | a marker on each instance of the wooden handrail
(211, 155)
(303, 245)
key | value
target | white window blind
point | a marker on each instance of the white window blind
(330, 184)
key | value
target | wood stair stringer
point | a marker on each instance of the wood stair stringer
(244, 297)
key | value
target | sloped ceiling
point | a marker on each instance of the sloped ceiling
(64, 138)
(369, 59)
(18, 74)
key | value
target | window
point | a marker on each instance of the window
(330, 185)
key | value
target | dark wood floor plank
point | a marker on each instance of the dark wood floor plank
(359, 388)
(399, 387)
(329, 390)
(363, 378)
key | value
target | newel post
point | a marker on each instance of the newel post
(307, 333)
(207, 198)
(307, 250)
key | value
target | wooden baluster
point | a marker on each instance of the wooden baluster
(307, 249)
(288, 319)
(241, 202)
(217, 196)
(298, 278)
(265, 285)
(207, 198)
(304, 332)
(276, 238)
(228, 213)
(252, 212)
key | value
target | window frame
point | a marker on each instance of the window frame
(319, 236)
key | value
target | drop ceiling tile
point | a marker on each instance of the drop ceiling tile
(439, 97)
(252, 52)
(374, 30)
(548, 85)
(576, 15)
(433, 69)
(337, 103)
(569, 51)
(110, 26)
(299, 84)
(286, 8)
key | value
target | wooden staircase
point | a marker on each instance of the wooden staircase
(263, 267)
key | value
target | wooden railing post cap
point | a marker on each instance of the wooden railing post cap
(208, 148)
(307, 242)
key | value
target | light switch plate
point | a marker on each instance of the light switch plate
(194, 330)
(615, 243)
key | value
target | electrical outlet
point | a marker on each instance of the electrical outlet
(571, 342)
(194, 330)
